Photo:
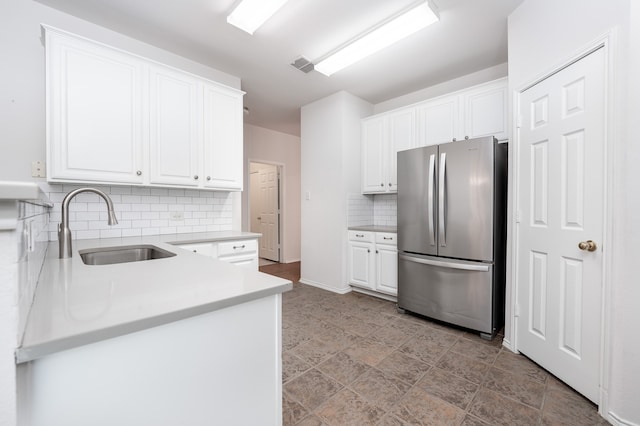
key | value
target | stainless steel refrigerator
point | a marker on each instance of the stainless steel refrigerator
(452, 232)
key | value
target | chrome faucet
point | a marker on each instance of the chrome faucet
(64, 233)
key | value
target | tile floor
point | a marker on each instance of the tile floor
(353, 360)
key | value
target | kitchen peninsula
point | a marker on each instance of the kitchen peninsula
(186, 339)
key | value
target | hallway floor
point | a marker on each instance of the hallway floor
(353, 360)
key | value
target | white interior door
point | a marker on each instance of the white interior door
(268, 212)
(561, 204)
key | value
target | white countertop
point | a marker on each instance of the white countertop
(77, 304)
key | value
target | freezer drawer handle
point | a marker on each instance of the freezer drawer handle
(483, 268)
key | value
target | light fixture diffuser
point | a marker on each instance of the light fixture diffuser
(250, 14)
(389, 32)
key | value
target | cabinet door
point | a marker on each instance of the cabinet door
(205, 249)
(174, 120)
(439, 121)
(387, 269)
(373, 143)
(485, 110)
(222, 138)
(360, 264)
(95, 112)
(401, 136)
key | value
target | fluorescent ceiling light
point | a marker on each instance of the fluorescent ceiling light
(384, 35)
(250, 14)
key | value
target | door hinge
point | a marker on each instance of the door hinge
(518, 216)
(519, 121)
(516, 310)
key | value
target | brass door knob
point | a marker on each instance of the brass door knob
(587, 245)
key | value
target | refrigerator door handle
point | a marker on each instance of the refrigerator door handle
(451, 265)
(441, 200)
(430, 200)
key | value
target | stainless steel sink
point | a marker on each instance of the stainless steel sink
(123, 254)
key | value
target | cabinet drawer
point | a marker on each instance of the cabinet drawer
(361, 236)
(237, 247)
(388, 238)
(205, 249)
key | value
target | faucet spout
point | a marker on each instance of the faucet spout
(64, 233)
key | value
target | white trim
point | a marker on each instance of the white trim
(619, 421)
(379, 295)
(506, 343)
(606, 41)
(324, 286)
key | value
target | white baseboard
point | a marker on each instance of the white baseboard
(618, 421)
(324, 286)
(375, 294)
(507, 344)
(291, 260)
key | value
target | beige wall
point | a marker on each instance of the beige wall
(268, 146)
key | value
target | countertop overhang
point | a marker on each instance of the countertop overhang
(77, 304)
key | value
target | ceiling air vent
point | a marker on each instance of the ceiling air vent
(303, 64)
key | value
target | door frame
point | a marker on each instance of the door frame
(281, 198)
(607, 41)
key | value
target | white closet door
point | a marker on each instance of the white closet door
(561, 204)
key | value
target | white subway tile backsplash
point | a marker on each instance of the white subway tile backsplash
(379, 210)
(385, 207)
(140, 211)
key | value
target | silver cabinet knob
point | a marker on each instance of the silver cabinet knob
(208, 177)
(454, 139)
(466, 138)
(389, 183)
(195, 177)
(139, 172)
(382, 184)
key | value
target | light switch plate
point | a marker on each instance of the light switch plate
(38, 169)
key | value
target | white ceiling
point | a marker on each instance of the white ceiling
(471, 35)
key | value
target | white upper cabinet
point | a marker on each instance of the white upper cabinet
(485, 110)
(114, 117)
(95, 107)
(174, 127)
(438, 120)
(472, 113)
(402, 135)
(373, 145)
(478, 111)
(222, 130)
(382, 137)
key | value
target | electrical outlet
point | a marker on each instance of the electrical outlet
(38, 169)
(176, 215)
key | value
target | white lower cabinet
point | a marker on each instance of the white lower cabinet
(373, 261)
(243, 253)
